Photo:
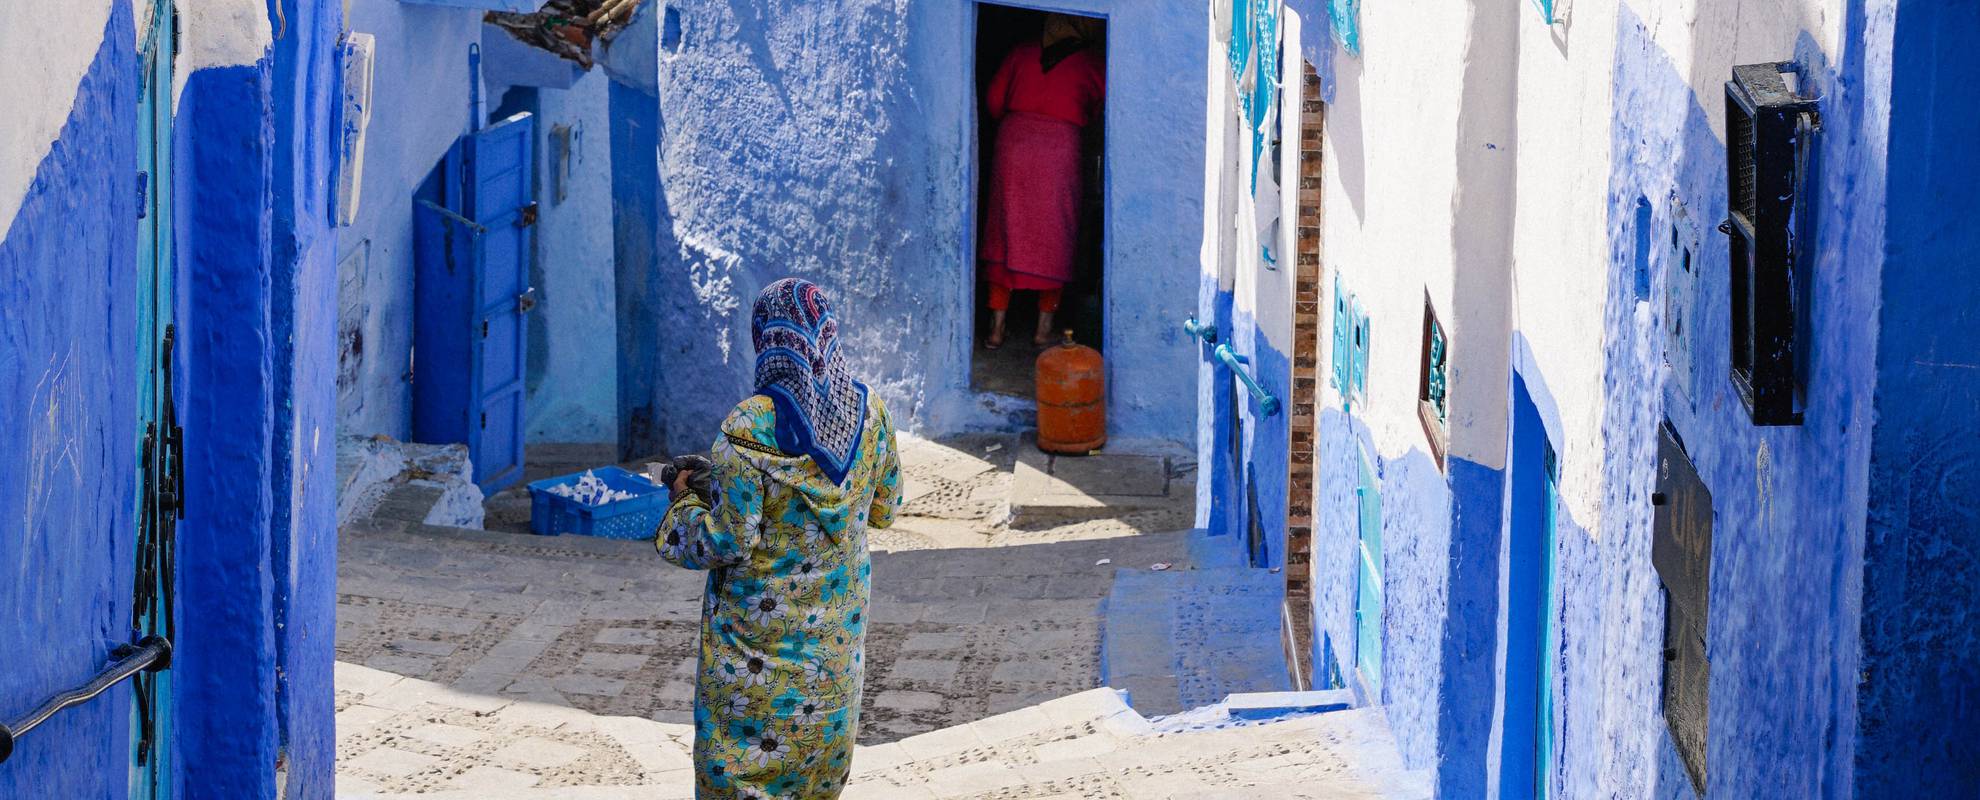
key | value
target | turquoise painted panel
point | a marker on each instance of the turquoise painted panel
(1345, 15)
(1368, 593)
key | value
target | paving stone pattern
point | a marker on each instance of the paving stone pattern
(403, 738)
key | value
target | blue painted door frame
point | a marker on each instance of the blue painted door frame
(151, 717)
(1527, 734)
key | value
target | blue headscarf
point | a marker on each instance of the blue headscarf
(821, 410)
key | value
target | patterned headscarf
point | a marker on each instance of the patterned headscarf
(821, 410)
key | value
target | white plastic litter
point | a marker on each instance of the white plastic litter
(1160, 566)
(590, 490)
(1103, 562)
(993, 448)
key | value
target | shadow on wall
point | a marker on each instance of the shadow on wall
(1343, 126)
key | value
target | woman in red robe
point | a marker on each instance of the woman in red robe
(1042, 98)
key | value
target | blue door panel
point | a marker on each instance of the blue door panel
(474, 234)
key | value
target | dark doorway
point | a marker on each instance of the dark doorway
(1000, 30)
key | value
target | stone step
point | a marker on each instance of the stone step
(1049, 489)
(1185, 638)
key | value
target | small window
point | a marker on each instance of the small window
(1681, 551)
(1350, 349)
(1769, 132)
(1433, 384)
(1342, 322)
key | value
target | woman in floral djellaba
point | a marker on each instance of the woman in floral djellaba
(799, 473)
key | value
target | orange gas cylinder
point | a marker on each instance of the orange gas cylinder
(1072, 398)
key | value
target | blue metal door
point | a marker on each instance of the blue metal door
(473, 227)
(1528, 702)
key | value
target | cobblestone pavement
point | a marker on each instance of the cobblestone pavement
(403, 737)
(490, 664)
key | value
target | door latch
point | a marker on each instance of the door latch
(526, 300)
(527, 216)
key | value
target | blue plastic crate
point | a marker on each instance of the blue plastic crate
(636, 518)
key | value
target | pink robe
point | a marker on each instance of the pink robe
(1031, 225)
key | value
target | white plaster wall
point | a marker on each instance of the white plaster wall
(1390, 176)
(44, 50)
(219, 33)
(1560, 239)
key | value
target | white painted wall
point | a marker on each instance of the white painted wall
(45, 48)
(1390, 175)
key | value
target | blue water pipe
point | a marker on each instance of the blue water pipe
(1267, 404)
(1200, 330)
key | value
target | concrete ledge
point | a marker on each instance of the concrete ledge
(1271, 705)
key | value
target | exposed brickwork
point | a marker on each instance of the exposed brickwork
(1305, 374)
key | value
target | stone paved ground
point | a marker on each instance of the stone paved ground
(490, 664)
(404, 738)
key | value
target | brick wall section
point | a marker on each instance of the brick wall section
(1305, 375)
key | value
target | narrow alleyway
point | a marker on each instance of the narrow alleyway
(475, 660)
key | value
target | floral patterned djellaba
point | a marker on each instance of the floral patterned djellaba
(782, 533)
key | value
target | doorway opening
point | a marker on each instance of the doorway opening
(1531, 639)
(1041, 169)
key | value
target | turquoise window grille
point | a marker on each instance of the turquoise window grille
(1546, 9)
(1351, 330)
(1345, 15)
(1435, 376)
(1358, 341)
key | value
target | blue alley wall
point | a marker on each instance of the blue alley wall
(68, 266)
(419, 107)
(305, 102)
(835, 141)
(573, 371)
(1921, 587)
(1786, 545)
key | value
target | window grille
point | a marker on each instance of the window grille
(1433, 383)
(1769, 131)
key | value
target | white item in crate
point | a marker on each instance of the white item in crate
(590, 490)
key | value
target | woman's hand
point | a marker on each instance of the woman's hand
(681, 481)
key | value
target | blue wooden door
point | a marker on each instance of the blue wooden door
(500, 195)
(473, 224)
(1530, 637)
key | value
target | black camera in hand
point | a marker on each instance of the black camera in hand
(701, 475)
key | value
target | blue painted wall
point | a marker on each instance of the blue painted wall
(572, 378)
(836, 141)
(68, 265)
(1920, 698)
(304, 100)
(1790, 502)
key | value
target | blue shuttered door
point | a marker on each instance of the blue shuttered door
(501, 197)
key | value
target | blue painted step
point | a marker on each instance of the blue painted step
(1187, 638)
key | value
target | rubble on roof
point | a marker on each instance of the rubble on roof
(568, 28)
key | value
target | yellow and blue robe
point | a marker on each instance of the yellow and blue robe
(783, 622)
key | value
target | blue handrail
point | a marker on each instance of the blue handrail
(1267, 404)
(1200, 330)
